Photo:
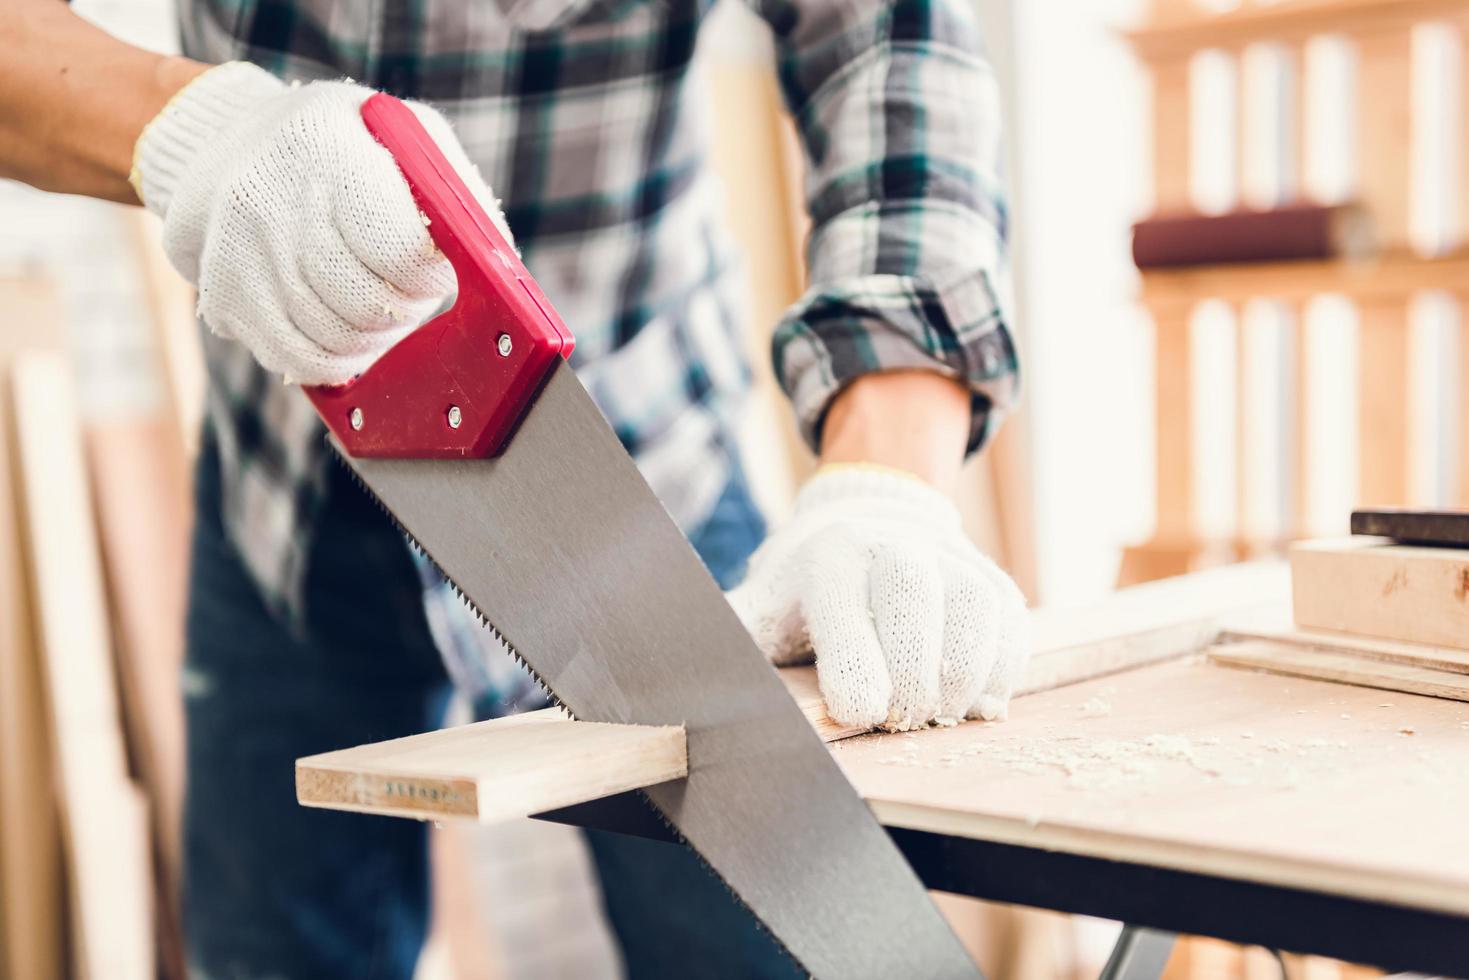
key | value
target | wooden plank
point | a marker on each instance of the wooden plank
(1384, 434)
(1341, 668)
(1392, 276)
(1384, 130)
(1172, 137)
(103, 819)
(1391, 651)
(1459, 132)
(1173, 411)
(172, 302)
(1302, 485)
(144, 516)
(1399, 592)
(1461, 302)
(1150, 623)
(1177, 35)
(32, 907)
(494, 770)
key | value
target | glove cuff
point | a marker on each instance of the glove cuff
(836, 483)
(169, 143)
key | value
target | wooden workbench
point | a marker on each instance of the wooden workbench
(1135, 780)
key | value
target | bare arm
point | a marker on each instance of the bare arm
(73, 100)
(916, 421)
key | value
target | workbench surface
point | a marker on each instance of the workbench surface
(1197, 767)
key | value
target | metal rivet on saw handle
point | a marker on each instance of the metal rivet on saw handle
(503, 345)
(456, 417)
(356, 419)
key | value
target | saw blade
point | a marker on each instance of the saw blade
(561, 547)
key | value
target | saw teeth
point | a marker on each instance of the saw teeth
(479, 614)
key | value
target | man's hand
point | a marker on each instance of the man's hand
(295, 224)
(910, 624)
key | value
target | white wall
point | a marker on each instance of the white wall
(1080, 133)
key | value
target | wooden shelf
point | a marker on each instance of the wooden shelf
(1390, 277)
(1289, 21)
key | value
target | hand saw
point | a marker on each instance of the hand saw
(478, 439)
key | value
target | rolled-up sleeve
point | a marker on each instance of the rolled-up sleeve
(899, 116)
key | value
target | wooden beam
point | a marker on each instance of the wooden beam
(1300, 515)
(1384, 385)
(1341, 668)
(1462, 394)
(1173, 411)
(32, 906)
(1172, 137)
(172, 302)
(1394, 275)
(1398, 592)
(1384, 131)
(1180, 34)
(108, 866)
(144, 515)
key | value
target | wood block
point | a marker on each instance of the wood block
(494, 770)
(1341, 668)
(1372, 588)
(103, 818)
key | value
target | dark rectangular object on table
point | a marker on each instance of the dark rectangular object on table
(1442, 528)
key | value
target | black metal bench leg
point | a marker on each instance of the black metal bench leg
(1140, 954)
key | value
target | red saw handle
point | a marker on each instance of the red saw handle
(459, 384)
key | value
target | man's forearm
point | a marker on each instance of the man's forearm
(73, 100)
(916, 421)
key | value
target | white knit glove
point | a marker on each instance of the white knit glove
(909, 622)
(293, 221)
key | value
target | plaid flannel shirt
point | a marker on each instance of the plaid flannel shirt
(589, 119)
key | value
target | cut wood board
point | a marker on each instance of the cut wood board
(1341, 668)
(494, 770)
(104, 825)
(32, 907)
(1372, 588)
(1391, 651)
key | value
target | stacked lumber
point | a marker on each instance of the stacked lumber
(93, 557)
(1373, 612)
